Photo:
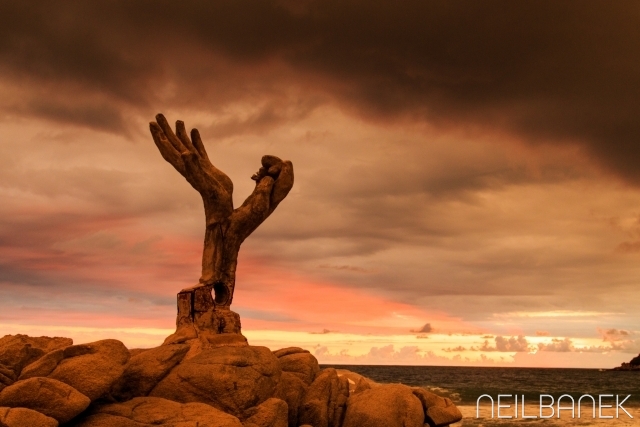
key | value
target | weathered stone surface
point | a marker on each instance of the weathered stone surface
(289, 350)
(361, 385)
(304, 365)
(438, 416)
(427, 398)
(50, 397)
(153, 411)
(43, 366)
(17, 351)
(23, 417)
(137, 351)
(270, 413)
(390, 405)
(211, 340)
(324, 401)
(292, 390)
(146, 369)
(232, 379)
(92, 368)
(439, 411)
(7, 377)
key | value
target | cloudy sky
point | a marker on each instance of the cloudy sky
(467, 184)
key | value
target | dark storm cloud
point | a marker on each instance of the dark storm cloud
(546, 71)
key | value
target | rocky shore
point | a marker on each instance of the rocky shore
(218, 381)
(633, 365)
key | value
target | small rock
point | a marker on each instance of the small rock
(439, 411)
(50, 397)
(438, 416)
(23, 417)
(270, 413)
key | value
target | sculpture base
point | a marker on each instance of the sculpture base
(199, 318)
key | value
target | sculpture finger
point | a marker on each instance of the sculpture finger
(197, 143)
(222, 178)
(173, 139)
(181, 132)
(283, 185)
(167, 150)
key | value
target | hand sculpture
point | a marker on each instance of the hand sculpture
(226, 227)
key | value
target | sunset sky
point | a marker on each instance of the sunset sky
(467, 175)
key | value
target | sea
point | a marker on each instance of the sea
(464, 385)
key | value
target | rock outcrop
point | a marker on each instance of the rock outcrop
(632, 365)
(221, 381)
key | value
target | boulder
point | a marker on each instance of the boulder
(324, 401)
(232, 379)
(43, 366)
(389, 405)
(17, 351)
(23, 417)
(92, 368)
(439, 411)
(438, 416)
(146, 369)
(50, 397)
(153, 411)
(302, 364)
(270, 413)
(291, 389)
